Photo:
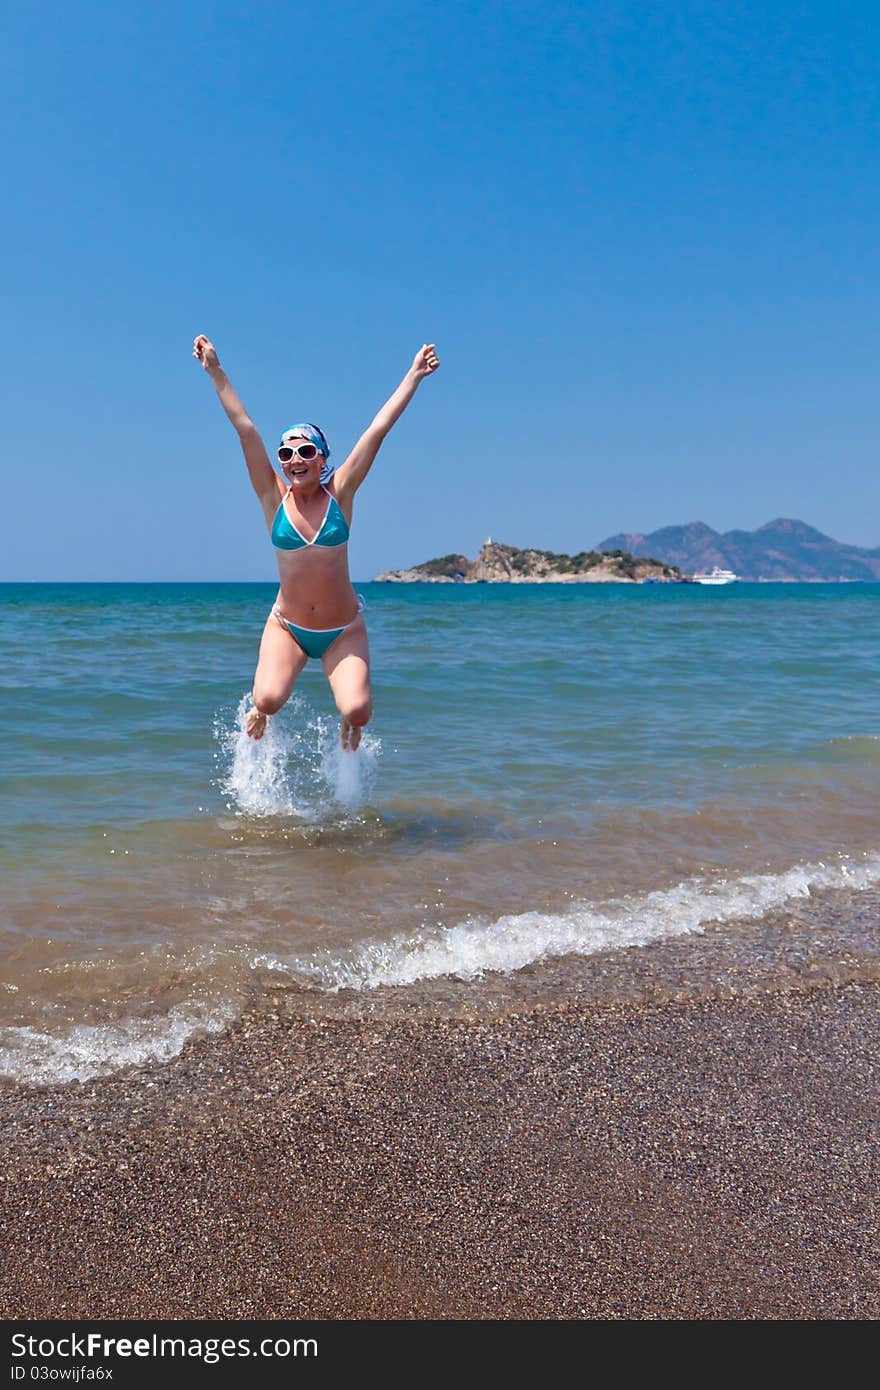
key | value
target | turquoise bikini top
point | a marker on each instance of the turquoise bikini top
(332, 531)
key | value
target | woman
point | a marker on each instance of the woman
(317, 612)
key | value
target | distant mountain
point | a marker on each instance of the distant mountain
(782, 549)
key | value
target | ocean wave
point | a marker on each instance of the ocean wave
(477, 946)
(89, 1050)
(470, 949)
(853, 748)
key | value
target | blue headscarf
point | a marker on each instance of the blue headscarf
(316, 437)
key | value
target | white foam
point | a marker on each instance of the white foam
(475, 946)
(349, 774)
(256, 777)
(466, 951)
(89, 1050)
(297, 768)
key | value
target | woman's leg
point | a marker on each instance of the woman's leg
(347, 668)
(281, 660)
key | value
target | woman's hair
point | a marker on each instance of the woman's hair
(312, 433)
(317, 437)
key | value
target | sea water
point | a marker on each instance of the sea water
(553, 772)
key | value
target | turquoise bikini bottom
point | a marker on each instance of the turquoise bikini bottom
(315, 641)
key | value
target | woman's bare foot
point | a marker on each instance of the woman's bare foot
(350, 735)
(255, 724)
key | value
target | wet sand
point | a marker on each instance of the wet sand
(711, 1158)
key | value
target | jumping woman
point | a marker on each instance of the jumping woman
(317, 612)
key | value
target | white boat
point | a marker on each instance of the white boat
(718, 576)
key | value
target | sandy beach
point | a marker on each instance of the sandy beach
(702, 1158)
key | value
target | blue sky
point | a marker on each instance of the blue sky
(643, 235)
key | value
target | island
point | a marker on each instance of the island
(506, 564)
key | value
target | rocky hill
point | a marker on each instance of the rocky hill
(505, 564)
(783, 549)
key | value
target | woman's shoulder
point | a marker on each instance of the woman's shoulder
(342, 496)
(271, 501)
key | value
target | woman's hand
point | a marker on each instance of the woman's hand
(205, 352)
(425, 361)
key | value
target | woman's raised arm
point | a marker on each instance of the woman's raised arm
(349, 476)
(261, 472)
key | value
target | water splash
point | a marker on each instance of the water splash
(348, 774)
(257, 779)
(298, 768)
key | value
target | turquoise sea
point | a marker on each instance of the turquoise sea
(553, 772)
